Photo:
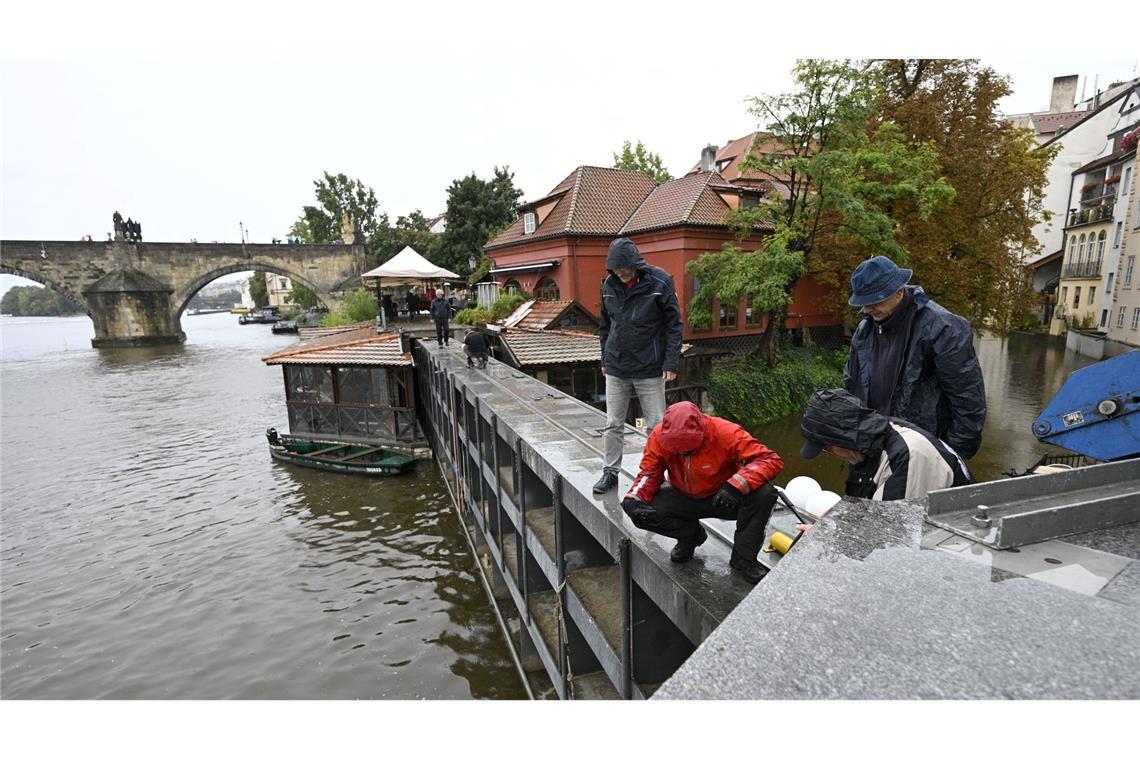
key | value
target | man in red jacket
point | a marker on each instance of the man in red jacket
(716, 469)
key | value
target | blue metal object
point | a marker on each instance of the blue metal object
(1097, 411)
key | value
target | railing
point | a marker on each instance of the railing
(1083, 269)
(1089, 215)
(362, 422)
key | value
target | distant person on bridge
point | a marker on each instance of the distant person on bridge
(640, 330)
(441, 313)
(913, 359)
(476, 348)
(413, 304)
(716, 469)
(887, 458)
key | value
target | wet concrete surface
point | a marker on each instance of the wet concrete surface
(859, 610)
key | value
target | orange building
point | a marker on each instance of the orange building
(557, 248)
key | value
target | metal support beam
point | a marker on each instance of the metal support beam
(626, 685)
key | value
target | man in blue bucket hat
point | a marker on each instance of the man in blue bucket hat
(913, 359)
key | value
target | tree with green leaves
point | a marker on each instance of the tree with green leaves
(844, 174)
(302, 296)
(412, 230)
(258, 290)
(337, 195)
(37, 301)
(359, 305)
(477, 211)
(640, 159)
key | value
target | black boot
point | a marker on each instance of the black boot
(750, 570)
(683, 551)
(606, 482)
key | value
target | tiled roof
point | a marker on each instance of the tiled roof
(362, 345)
(308, 333)
(1048, 123)
(691, 200)
(537, 314)
(1096, 163)
(591, 201)
(535, 347)
(736, 151)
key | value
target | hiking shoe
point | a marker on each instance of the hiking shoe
(683, 552)
(606, 482)
(750, 570)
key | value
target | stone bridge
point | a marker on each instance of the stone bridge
(135, 292)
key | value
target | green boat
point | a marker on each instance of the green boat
(358, 458)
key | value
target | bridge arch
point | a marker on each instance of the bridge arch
(63, 290)
(183, 295)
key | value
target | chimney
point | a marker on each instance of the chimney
(708, 158)
(1064, 94)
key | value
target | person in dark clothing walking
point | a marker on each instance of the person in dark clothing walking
(640, 330)
(413, 304)
(476, 348)
(716, 469)
(913, 359)
(889, 458)
(441, 312)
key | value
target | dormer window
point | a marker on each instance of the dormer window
(529, 223)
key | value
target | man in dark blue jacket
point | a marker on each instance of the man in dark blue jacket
(641, 345)
(913, 359)
(441, 313)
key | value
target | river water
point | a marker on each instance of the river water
(152, 549)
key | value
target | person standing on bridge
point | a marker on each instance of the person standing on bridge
(413, 302)
(913, 359)
(441, 312)
(716, 469)
(640, 330)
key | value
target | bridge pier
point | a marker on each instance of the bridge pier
(130, 309)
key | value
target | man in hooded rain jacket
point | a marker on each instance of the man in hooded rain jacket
(716, 469)
(913, 359)
(888, 458)
(640, 330)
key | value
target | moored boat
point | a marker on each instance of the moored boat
(358, 458)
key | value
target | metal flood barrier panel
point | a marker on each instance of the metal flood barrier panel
(591, 606)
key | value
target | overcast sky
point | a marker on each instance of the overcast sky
(211, 125)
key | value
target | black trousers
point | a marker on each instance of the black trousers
(675, 515)
(442, 331)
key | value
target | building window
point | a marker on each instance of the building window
(1092, 296)
(547, 289)
(1072, 250)
(1108, 287)
(1128, 271)
(529, 224)
(728, 315)
(1103, 317)
(1120, 316)
(1081, 250)
(1136, 318)
(1077, 297)
(1127, 180)
(513, 288)
(1100, 247)
(1064, 295)
(753, 317)
(1116, 237)
(281, 283)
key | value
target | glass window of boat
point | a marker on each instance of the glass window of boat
(310, 383)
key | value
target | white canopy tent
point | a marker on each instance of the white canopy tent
(405, 268)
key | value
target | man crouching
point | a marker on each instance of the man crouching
(716, 469)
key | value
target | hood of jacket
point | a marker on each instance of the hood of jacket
(624, 254)
(682, 428)
(835, 416)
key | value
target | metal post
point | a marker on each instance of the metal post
(560, 561)
(626, 685)
(520, 497)
(497, 527)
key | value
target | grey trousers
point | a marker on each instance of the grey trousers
(619, 390)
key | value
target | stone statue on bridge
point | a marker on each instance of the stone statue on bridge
(117, 220)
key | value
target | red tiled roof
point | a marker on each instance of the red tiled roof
(591, 201)
(691, 200)
(535, 347)
(1048, 123)
(1096, 163)
(736, 151)
(362, 345)
(538, 314)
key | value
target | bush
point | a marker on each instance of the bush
(502, 308)
(358, 306)
(473, 316)
(750, 394)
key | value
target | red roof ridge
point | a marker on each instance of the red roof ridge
(697, 195)
(309, 347)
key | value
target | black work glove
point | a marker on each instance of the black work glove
(728, 497)
(632, 506)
